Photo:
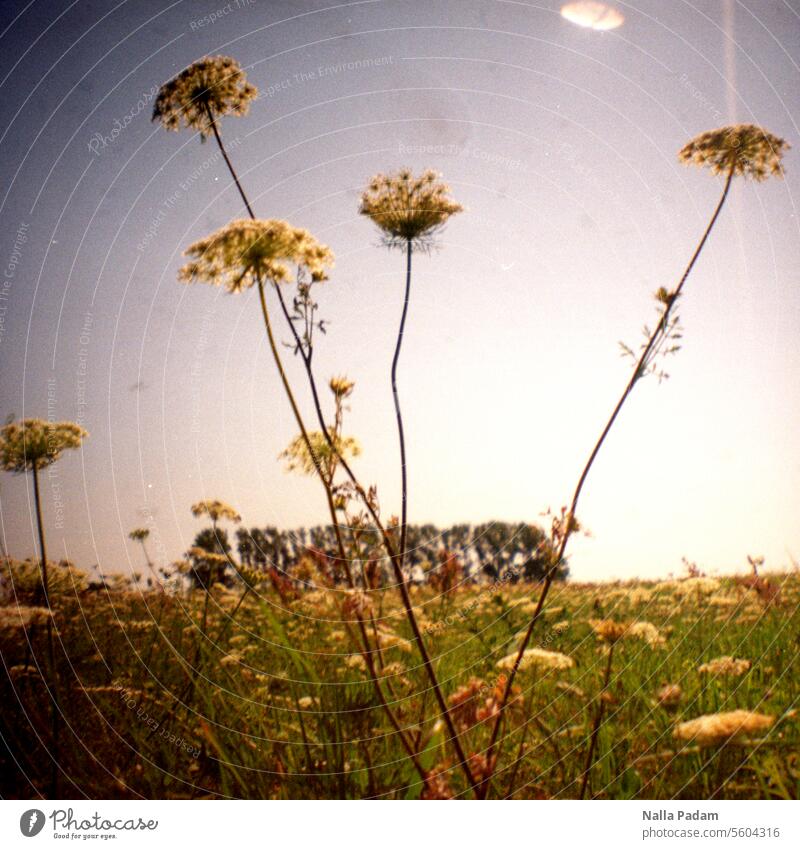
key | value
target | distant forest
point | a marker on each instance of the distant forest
(493, 550)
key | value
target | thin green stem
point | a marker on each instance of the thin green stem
(598, 721)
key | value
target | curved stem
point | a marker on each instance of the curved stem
(396, 564)
(398, 412)
(570, 516)
(218, 137)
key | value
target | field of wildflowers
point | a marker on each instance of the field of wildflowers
(679, 689)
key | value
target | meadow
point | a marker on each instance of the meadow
(164, 696)
(346, 667)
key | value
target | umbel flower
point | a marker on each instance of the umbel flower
(725, 665)
(741, 149)
(34, 443)
(206, 90)
(537, 657)
(715, 728)
(215, 510)
(408, 208)
(139, 534)
(245, 252)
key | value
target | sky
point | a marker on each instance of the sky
(560, 141)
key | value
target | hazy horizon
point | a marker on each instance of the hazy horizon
(561, 143)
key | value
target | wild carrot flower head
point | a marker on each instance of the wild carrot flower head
(139, 534)
(608, 630)
(669, 696)
(747, 150)
(725, 665)
(215, 510)
(715, 728)
(298, 458)
(36, 443)
(206, 90)
(537, 657)
(243, 252)
(408, 208)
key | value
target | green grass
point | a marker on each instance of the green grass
(282, 707)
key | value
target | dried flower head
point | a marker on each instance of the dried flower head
(537, 657)
(139, 534)
(669, 696)
(715, 728)
(465, 702)
(725, 665)
(20, 616)
(408, 208)
(608, 630)
(341, 386)
(215, 510)
(35, 443)
(206, 90)
(743, 149)
(357, 605)
(649, 633)
(298, 458)
(245, 251)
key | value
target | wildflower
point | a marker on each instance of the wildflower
(388, 640)
(341, 386)
(357, 605)
(669, 696)
(464, 703)
(608, 630)
(327, 453)
(215, 510)
(306, 702)
(203, 92)
(741, 149)
(355, 661)
(437, 784)
(245, 252)
(139, 534)
(537, 657)
(17, 616)
(647, 632)
(715, 728)
(34, 443)
(408, 209)
(725, 665)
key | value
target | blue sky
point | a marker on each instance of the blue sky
(560, 142)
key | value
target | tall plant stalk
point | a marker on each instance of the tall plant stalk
(569, 525)
(55, 709)
(395, 557)
(397, 410)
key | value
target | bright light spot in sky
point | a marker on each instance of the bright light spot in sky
(589, 13)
